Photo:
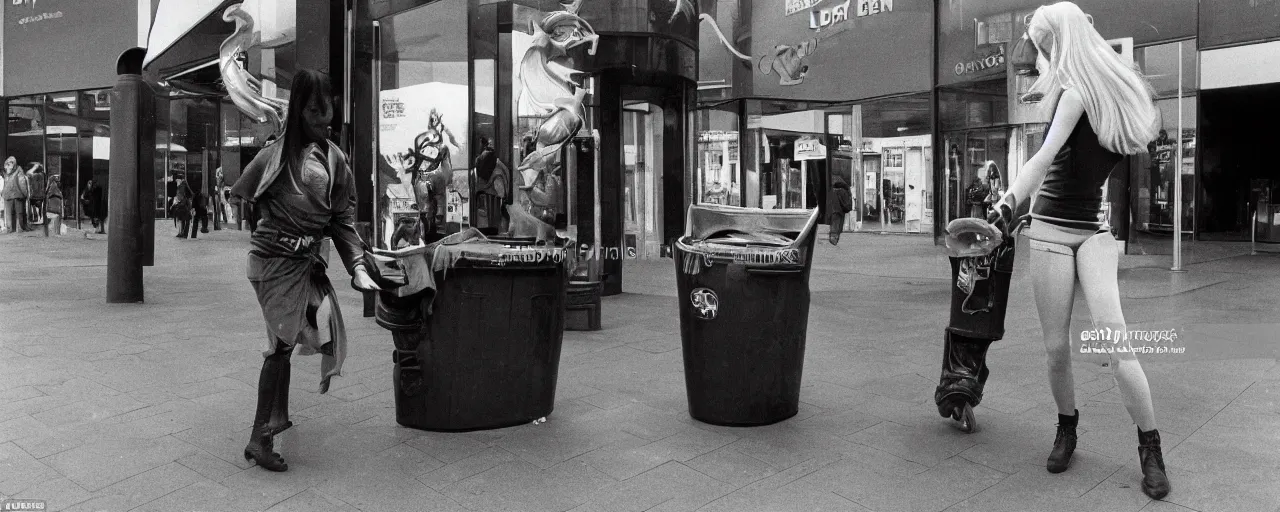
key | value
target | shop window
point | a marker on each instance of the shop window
(1151, 181)
(719, 167)
(424, 119)
(26, 122)
(890, 159)
(1159, 64)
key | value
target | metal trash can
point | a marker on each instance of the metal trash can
(743, 281)
(979, 299)
(479, 347)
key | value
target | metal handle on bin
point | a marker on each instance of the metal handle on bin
(775, 271)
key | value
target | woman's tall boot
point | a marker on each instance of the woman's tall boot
(261, 449)
(279, 421)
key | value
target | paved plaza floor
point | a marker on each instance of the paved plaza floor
(147, 406)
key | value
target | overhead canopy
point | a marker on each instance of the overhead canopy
(275, 20)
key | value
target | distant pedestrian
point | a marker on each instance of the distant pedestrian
(839, 204)
(36, 184)
(53, 203)
(181, 207)
(304, 190)
(95, 205)
(15, 193)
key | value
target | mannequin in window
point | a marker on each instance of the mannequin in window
(976, 196)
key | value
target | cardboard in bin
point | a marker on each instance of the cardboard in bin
(752, 236)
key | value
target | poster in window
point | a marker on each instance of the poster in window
(423, 140)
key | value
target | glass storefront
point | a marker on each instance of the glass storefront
(642, 181)
(1151, 175)
(719, 173)
(68, 135)
(791, 153)
(424, 120)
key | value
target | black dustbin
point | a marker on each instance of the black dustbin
(743, 281)
(480, 348)
(979, 299)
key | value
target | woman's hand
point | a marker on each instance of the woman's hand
(361, 281)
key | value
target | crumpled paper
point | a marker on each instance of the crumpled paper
(969, 237)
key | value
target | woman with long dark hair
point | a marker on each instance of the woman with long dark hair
(303, 190)
(1103, 110)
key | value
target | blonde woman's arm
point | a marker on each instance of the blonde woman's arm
(1069, 110)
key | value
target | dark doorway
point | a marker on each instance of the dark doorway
(642, 183)
(1238, 171)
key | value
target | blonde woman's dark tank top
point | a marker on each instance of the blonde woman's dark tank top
(1071, 195)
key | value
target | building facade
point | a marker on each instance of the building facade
(763, 104)
(57, 62)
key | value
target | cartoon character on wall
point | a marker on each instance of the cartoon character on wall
(549, 89)
(788, 62)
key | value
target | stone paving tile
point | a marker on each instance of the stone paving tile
(56, 440)
(554, 442)
(209, 466)
(19, 470)
(832, 397)
(139, 490)
(519, 485)
(1238, 491)
(732, 467)
(20, 427)
(100, 464)
(935, 489)
(447, 448)
(59, 492)
(311, 500)
(924, 444)
(670, 481)
(463, 469)
(784, 500)
(867, 437)
(625, 458)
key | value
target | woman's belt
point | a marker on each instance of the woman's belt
(295, 244)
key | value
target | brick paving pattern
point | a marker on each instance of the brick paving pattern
(147, 407)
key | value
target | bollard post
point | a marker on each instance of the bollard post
(126, 243)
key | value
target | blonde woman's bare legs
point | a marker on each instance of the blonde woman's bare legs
(1096, 263)
(1053, 278)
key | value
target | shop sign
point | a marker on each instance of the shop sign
(870, 7)
(810, 149)
(795, 6)
(705, 303)
(825, 18)
(981, 64)
(717, 136)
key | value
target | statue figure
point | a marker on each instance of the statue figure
(244, 89)
(548, 89)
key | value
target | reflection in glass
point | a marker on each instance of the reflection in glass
(424, 124)
(548, 109)
(718, 176)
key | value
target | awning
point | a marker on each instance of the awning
(275, 21)
(174, 18)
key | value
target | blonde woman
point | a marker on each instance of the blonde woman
(1102, 111)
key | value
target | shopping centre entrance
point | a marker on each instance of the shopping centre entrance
(1238, 173)
(642, 179)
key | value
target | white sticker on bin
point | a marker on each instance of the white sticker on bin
(705, 303)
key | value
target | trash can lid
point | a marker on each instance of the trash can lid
(751, 236)
(706, 221)
(499, 253)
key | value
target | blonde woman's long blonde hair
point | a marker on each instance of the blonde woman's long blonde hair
(1117, 99)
